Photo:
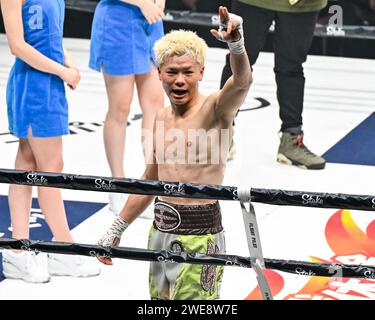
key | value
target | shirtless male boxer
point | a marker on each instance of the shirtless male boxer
(180, 224)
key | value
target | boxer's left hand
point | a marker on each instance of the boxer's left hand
(230, 26)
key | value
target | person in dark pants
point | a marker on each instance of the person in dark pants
(294, 29)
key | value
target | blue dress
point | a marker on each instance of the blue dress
(122, 40)
(37, 99)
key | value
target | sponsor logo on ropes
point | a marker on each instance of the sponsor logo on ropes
(36, 180)
(26, 246)
(304, 272)
(310, 199)
(369, 274)
(175, 189)
(104, 184)
(237, 264)
(93, 253)
(163, 259)
(373, 203)
(167, 218)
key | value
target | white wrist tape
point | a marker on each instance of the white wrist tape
(236, 47)
(115, 231)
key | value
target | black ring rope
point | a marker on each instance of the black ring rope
(212, 20)
(187, 190)
(290, 266)
(150, 187)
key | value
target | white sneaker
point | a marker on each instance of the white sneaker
(70, 265)
(26, 266)
(116, 203)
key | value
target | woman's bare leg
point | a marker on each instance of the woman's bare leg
(151, 98)
(20, 196)
(48, 156)
(120, 91)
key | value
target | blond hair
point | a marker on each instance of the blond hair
(179, 43)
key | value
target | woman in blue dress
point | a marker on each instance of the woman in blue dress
(122, 39)
(38, 116)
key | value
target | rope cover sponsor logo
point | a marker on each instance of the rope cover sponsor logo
(163, 259)
(176, 189)
(36, 180)
(93, 253)
(369, 275)
(104, 184)
(310, 199)
(230, 263)
(26, 246)
(304, 272)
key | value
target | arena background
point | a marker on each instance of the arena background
(79, 16)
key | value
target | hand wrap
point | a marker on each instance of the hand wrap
(115, 231)
(236, 47)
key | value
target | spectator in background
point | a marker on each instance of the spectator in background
(294, 29)
(122, 39)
